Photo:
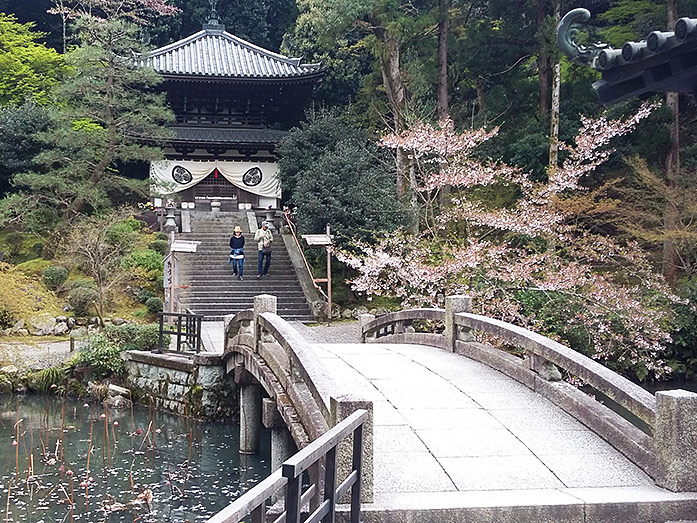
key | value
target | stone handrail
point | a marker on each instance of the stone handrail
(629, 395)
(395, 325)
(668, 454)
(281, 360)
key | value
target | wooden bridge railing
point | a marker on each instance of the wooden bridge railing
(187, 331)
(660, 453)
(254, 502)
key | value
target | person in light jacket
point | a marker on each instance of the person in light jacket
(264, 238)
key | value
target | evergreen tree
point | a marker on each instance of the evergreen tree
(110, 113)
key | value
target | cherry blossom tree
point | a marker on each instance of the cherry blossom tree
(532, 263)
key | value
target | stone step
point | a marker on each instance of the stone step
(211, 288)
(237, 291)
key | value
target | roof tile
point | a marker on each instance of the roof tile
(215, 52)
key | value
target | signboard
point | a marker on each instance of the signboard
(168, 276)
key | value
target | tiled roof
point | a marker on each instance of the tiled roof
(215, 52)
(226, 135)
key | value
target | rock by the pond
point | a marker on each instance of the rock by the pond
(20, 388)
(5, 385)
(358, 311)
(118, 321)
(61, 319)
(70, 322)
(347, 313)
(60, 329)
(42, 324)
(118, 391)
(19, 325)
(118, 402)
(9, 369)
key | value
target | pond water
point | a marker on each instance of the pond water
(144, 465)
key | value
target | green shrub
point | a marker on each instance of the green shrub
(81, 299)
(103, 351)
(7, 319)
(14, 242)
(123, 235)
(147, 260)
(162, 236)
(142, 294)
(37, 248)
(54, 276)
(159, 246)
(134, 336)
(102, 354)
(83, 284)
(154, 304)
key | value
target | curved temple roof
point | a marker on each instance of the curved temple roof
(664, 61)
(213, 52)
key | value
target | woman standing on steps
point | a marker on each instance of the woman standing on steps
(237, 252)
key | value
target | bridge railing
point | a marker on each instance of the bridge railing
(657, 450)
(289, 476)
(306, 398)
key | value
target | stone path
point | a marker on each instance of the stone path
(34, 354)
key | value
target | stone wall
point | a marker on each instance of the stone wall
(194, 385)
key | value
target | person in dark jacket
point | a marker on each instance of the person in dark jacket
(237, 252)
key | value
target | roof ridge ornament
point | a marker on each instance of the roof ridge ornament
(213, 18)
(567, 31)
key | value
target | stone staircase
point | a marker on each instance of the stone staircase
(213, 290)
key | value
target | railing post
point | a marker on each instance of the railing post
(262, 303)
(675, 440)
(159, 338)
(293, 492)
(357, 466)
(364, 319)
(454, 305)
(342, 407)
(330, 484)
(544, 368)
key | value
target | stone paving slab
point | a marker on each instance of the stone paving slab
(490, 472)
(409, 472)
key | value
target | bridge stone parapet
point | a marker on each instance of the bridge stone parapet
(259, 344)
(663, 446)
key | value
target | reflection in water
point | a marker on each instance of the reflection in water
(144, 465)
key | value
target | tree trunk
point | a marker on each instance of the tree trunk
(443, 110)
(544, 73)
(389, 57)
(481, 100)
(443, 21)
(670, 215)
(554, 115)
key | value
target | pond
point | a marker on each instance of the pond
(143, 465)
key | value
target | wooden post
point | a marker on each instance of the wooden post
(329, 278)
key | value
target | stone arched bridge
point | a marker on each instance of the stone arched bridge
(460, 431)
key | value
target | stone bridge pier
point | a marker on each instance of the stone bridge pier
(285, 388)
